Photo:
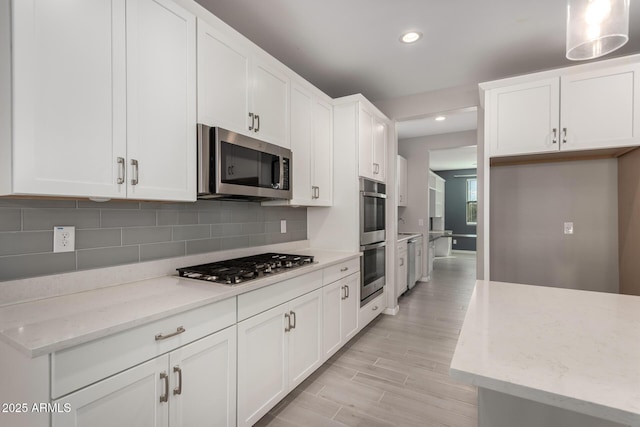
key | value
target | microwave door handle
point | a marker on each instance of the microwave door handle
(281, 182)
(204, 146)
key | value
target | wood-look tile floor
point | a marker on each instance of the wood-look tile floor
(395, 372)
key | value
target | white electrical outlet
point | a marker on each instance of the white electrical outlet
(64, 239)
(568, 228)
(283, 226)
(455, 242)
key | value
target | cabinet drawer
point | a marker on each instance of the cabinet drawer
(87, 363)
(263, 299)
(370, 311)
(338, 271)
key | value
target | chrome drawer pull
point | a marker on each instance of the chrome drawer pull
(293, 316)
(288, 327)
(343, 269)
(178, 331)
(120, 170)
(178, 390)
(165, 397)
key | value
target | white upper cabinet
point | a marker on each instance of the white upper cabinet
(402, 180)
(69, 105)
(223, 79)
(161, 101)
(600, 109)
(312, 147)
(270, 106)
(103, 100)
(239, 88)
(372, 144)
(591, 107)
(524, 118)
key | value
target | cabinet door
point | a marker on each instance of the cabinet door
(350, 307)
(131, 398)
(379, 149)
(418, 263)
(69, 107)
(161, 100)
(270, 103)
(301, 143)
(305, 337)
(524, 118)
(365, 143)
(323, 152)
(402, 181)
(223, 80)
(262, 364)
(401, 277)
(601, 109)
(332, 296)
(203, 388)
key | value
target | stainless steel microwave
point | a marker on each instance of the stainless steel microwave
(235, 166)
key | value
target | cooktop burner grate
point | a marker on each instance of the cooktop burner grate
(240, 270)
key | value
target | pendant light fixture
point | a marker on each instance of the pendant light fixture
(596, 27)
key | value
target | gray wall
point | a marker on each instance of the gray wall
(455, 208)
(529, 205)
(114, 233)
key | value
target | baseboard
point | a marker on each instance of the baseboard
(461, 251)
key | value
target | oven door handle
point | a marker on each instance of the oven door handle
(377, 195)
(373, 246)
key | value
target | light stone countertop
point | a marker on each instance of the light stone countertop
(572, 349)
(407, 235)
(39, 327)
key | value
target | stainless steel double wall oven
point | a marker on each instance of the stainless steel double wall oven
(373, 199)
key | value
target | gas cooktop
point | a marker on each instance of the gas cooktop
(240, 270)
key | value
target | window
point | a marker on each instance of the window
(472, 201)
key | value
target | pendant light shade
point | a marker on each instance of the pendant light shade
(596, 27)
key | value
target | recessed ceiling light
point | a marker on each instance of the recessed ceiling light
(411, 37)
(440, 118)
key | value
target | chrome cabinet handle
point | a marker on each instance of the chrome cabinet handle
(178, 331)
(344, 293)
(293, 316)
(317, 192)
(555, 136)
(348, 291)
(374, 308)
(257, 129)
(253, 121)
(134, 164)
(343, 269)
(401, 262)
(288, 327)
(564, 135)
(178, 390)
(120, 170)
(164, 397)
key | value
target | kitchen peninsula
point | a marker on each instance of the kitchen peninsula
(544, 356)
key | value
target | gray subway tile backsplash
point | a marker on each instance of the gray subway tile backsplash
(29, 242)
(46, 219)
(107, 257)
(17, 267)
(121, 232)
(162, 250)
(10, 219)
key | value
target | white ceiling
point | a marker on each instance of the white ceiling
(454, 122)
(453, 158)
(351, 46)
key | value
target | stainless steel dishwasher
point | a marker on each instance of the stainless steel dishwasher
(411, 262)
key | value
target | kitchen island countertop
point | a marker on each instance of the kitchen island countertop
(570, 349)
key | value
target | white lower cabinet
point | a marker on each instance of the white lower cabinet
(277, 350)
(193, 385)
(401, 272)
(340, 313)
